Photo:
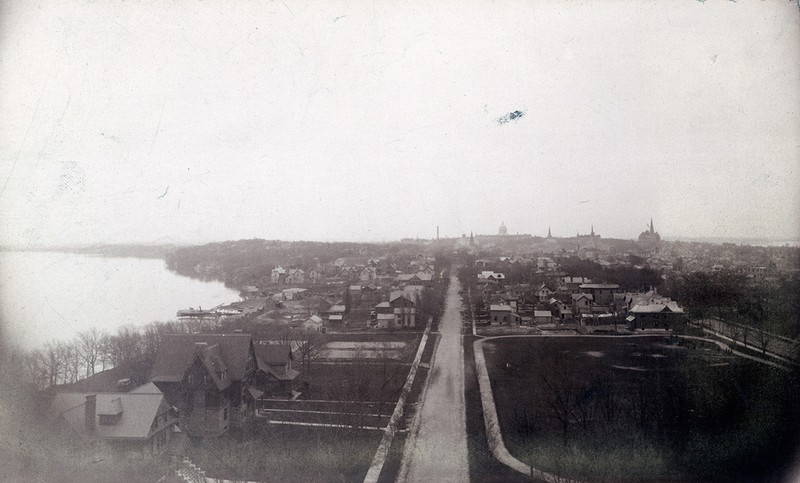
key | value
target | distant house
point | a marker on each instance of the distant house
(369, 294)
(543, 294)
(404, 310)
(582, 303)
(563, 311)
(315, 275)
(354, 292)
(602, 293)
(314, 323)
(542, 317)
(206, 377)
(141, 418)
(336, 313)
(367, 274)
(510, 300)
(278, 275)
(491, 276)
(502, 314)
(655, 315)
(275, 376)
(419, 278)
(572, 284)
(296, 275)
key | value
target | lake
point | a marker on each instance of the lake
(47, 296)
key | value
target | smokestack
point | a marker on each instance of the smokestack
(90, 410)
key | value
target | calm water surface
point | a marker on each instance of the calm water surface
(46, 296)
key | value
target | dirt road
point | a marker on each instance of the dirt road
(437, 446)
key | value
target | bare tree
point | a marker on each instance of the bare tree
(90, 347)
(36, 368)
(607, 399)
(391, 369)
(53, 362)
(310, 347)
(763, 339)
(560, 394)
(72, 361)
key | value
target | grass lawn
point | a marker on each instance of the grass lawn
(289, 454)
(354, 381)
(642, 409)
(483, 466)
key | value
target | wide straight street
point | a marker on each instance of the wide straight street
(437, 450)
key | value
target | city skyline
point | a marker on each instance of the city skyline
(146, 123)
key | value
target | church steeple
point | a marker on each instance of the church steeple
(592, 230)
(652, 230)
(549, 235)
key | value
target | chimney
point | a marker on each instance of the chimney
(90, 410)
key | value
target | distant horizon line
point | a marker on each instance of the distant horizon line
(78, 245)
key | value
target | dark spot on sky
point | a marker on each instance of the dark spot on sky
(511, 116)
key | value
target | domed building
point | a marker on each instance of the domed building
(503, 231)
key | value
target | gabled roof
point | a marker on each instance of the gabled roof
(656, 308)
(211, 358)
(136, 413)
(314, 319)
(273, 354)
(399, 299)
(273, 360)
(542, 313)
(148, 388)
(578, 296)
(178, 352)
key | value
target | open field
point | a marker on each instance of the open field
(289, 453)
(642, 409)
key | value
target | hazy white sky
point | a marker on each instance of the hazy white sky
(353, 120)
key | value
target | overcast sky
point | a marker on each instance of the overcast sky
(353, 120)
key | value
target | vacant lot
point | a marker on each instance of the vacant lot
(289, 453)
(642, 409)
